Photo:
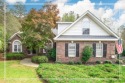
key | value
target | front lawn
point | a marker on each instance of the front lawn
(62, 73)
(17, 73)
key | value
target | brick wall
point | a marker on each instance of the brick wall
(60, 51)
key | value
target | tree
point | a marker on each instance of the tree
(108, 21)
(18, 10)
(123, 35)
(87, 53)
(1, 39)
(70, 17)
(37, 26)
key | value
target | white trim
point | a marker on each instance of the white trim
(72, 39)
(64, 22)
(13, 45)
(99, 50)
(94, 17)
(15, 34)
(70, 44)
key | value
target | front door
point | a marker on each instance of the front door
(99, 50)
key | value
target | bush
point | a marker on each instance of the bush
(15, 56)
(98, 62)
(39, 59)
(59, 62)
(108, 62)
(119, 62)
(79, 63)
(123, 53)
(71, 63)
(86, 54)
(51, 54)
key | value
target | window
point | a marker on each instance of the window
(17, 46)
(86, 26)
(86, 31)
(71, 49)
(99, 50)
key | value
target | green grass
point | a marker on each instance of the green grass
(62, 73)
(17, 73)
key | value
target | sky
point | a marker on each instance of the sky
(110, 9)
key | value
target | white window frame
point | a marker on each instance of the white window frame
(70, 54)
(17, 46)
(99, 49)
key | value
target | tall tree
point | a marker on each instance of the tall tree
(37, 26)
(18, 10)
(70, 17)
(122, 31)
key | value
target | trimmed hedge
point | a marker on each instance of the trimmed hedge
(39, 59)
(67, 73)
(15, 56)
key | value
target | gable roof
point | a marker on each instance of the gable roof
(94, 18)
(17, 33)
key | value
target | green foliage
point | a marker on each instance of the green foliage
(51, 54)
(69, 17)
(39, 23)
(79, 63)
(98, 62)
(108, 62)
(18, 10)
(87, 53)
(71, 63)
(15, 56)
(123, 53)
(12, 25)
(63, 73)
(58, 62)
(119, 61)
(39, 59)
(1, 39)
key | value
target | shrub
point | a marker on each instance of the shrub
(79, 62)
(15, 56)
(71, 63)
(98, 62)
(123, 53)
(39, 59)
(86, 54)
(51, 54)
(119, 62)
(59, 62)
(108, 62)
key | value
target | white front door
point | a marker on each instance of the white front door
(99, 50)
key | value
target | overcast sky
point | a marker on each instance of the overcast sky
(113, 9)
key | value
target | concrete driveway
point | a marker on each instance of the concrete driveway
(27, 62)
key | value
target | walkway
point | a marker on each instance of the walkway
(27, 62)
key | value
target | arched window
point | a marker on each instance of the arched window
(17, 46)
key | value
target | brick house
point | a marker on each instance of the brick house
(15, 45)
(87, 30)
